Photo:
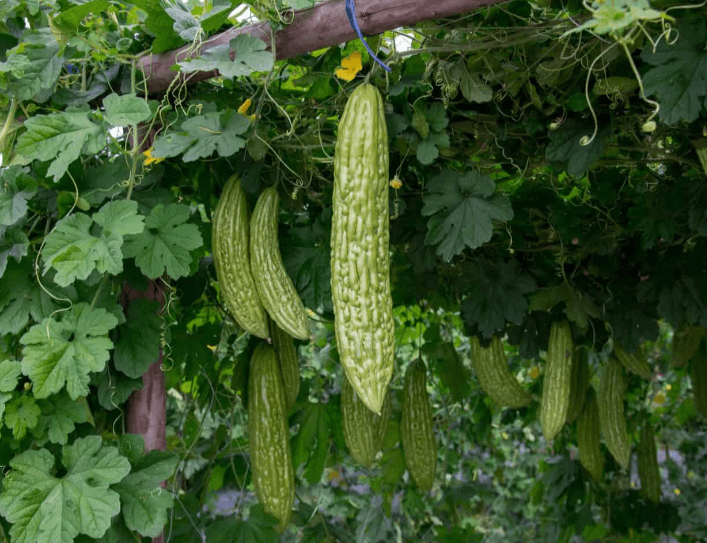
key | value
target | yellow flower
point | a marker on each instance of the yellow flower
(534, 372)
(659, 398)
(333, 474)
(150, 159)
(243, 110)
(350, 66)
(677, 491)
(668, 387)
(244, 106)
(396, 183)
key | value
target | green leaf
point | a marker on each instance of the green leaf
(60, 138)
(300, 4)
(16, 188)
(21, 414)
(10, 371)
(473, 89)
(22, 297)
(579, 307)
(13, 243)
(144, 503)
(306, 254)
(120, 217)
(126, 109)
(679, 79)
(166, 242)
(200, 136)
(31, 68)
(496, 296)
(249, 56)
(463, 208)
(43, 508)
(565, 146)
(60, 414)
(185, 24)
(63, 352)
(259, 528)
(74, 253)
(114, 388)
(311, 443)
(139, 343)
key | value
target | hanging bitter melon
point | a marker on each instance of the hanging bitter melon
(495, 378)
(230, 241)
(269, 436)
(274, 286)
(360, 252)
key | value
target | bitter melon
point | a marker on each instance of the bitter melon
(686, 340)
(634, 362)
(269, 436)
(648, 469)
(611, 412)
(555, 402)
(588, 434)
(579, 382)
(230, 240)
(274, 286)
(495, 378)
(417, 427)
(360, 252)
(364, 430)
(286, 351)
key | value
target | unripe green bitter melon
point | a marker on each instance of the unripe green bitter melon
(417, 427)
(275, 288)
(269, 436)
(611, 412)
(555, 402)
(495, 378)
(360, 253)
(230, 240)
(364, 430)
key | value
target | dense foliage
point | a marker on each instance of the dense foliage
(547, 162)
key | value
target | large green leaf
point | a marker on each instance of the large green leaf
(679, 76)
(166, 242)
(44, 508)
(63, 351)
(144, 503)
(60, 138)
(249, 56)
(462, 209)
(139, 343)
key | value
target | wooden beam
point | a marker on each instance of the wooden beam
(314, 28)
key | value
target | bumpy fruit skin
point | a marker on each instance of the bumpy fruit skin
(230, 240)
(588, 434)
(648, 469)
(634, 362)
(686, 341)
(495, 378)
(364, 430)
(360, 253)
(269, 434)
(698, 376)
(611, 412)
(579, 383)
(417, 427)
(274, 286)
(286, 351)
(555, 402)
